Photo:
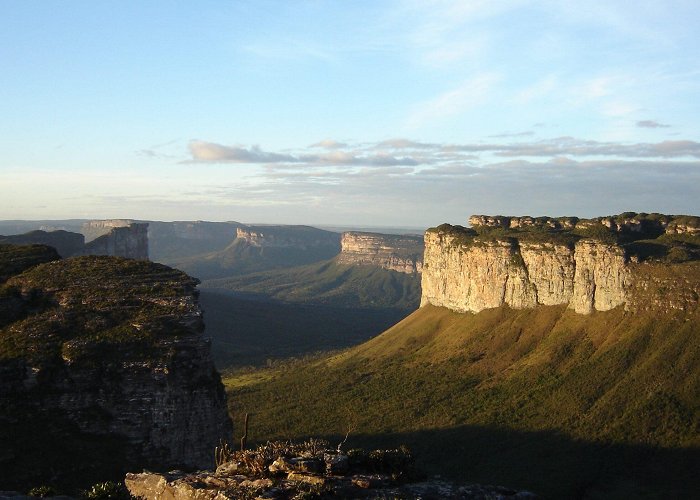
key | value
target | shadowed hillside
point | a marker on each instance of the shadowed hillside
(247, 331)
(566, 405)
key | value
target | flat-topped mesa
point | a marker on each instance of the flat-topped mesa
(301, 237)
(401, 253)
(586, 264)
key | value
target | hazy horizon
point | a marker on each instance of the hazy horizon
(384, 114)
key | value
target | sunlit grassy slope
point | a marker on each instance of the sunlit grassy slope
(570, 406)
(330, 283)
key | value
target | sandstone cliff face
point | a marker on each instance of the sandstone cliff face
(106, 355)
(480, 274)
(129, 241)
(403, 254)
(95, 228)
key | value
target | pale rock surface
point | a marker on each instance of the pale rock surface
(403, 254)
(470, 277)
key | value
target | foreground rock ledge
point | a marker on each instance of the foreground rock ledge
(178, 485)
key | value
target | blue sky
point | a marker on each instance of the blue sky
(408, 113)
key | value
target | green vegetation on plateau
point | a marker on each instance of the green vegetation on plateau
(242, 257)
(330, 283)
(80, 306)
(566, 405)
(641, 235)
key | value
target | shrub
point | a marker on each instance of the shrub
(107, 490)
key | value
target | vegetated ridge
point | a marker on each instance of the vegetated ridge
(260, 248)
(568, 405)
(263, 317)
(118, 238)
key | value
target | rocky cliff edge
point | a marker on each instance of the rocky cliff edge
(403, 254)
(587, 264)
(103, 369)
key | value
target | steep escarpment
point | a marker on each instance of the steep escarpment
(587, 264)
(403, 254)
(129, 241)
(104, 362)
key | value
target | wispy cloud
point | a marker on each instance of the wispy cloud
(328, 144)
(216, 153)
(651, 124)
(209, 152)
(410, 153)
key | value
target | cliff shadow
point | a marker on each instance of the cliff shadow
(252, 330)
(547, 463)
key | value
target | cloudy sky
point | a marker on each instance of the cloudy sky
(387, 113)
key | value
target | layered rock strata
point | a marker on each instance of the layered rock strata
(403, 254)
(129, 241)
(474, 274)
(106, 355)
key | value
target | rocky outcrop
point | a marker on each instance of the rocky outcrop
(93, 229)
(105, 361)
(466, 273)
(395, 253)
(129, 241)
(272, 471)
(628, 222)
(299, 237)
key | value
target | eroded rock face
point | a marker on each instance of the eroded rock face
(476, 275)
(106, 355)
(129, 241)
(403, 254)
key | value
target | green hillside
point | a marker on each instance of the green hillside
(240, 257)
(330, 283)
(566, 405)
